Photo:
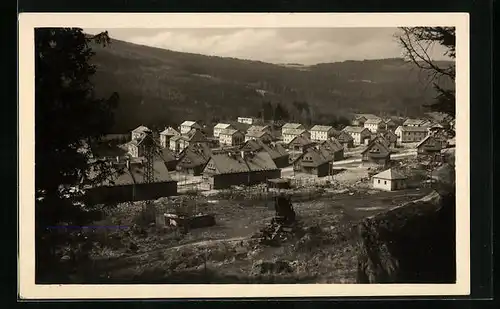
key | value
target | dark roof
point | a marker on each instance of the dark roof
(301, 141)
(351, 129)
(233, 162)
(344, 137)
(379, 143)
(194, 155)
(275, 150)
(330, 147)
(390, 136)
(167, 155)
(317, 158)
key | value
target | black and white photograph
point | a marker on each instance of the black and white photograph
(246, 153)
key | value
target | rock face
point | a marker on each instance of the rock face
(414, 243)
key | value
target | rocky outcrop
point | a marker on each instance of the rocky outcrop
(413, 243)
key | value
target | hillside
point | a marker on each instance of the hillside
(159, 87)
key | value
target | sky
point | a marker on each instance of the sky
(275, 45)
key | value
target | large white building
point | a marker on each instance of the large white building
(220, 127)
(409, 134)
(322, 133)
(359, 134)
(231, 137)
(374, 124)
(289, 134)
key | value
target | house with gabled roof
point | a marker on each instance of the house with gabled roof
(278, 153)
(389, 180)
(312, 161)
(292, 125)
(192, 160)
(260, 128)
(180, 142)
(300, 143)
(189, 125)
(390, 124)
(166, 135)
(168, 157)
(345, 139)
(376, 153)
(220, 127)
(231, 137)
(126, 182)
(332, 149)
(359, 134)
(322, 132)
(408, 134)
(430, 145)
(234, 168)
(359, 119)
(289, 134)
(391, 138)
(140, 132)
(260, 135)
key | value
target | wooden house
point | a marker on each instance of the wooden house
(166, 135)
(345, 139)
(312, 162)
(332, 149)
(391, 138)
(376, 153)
(260, 135)
(193, 159)
(140, 132)
(277, 152)
(300, 143)
(226, 169)
(430, 145)
(126, 182)
(180, 142)
(360, 135)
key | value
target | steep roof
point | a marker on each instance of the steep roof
(390, 136)
(242, 127)
(194, 135)
(375, 143)
(260, 161)
(194, 155)
(291, 125)
(351, 129)
(344, 137)
(170, 131)
(222, 126)
(321, 128)
(316, 158)
(390, 174)
(332, 145)
(301, 141)
(141, 129)
(431, 139)
(274, 150)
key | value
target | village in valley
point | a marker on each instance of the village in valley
(245, 181)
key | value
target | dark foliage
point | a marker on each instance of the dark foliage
(68, 119)
(161, 86)
(417, 43)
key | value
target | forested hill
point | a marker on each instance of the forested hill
(159, 87)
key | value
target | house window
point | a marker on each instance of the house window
(378, 181)
(385, 182)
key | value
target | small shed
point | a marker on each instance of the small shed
(278, 183)
(389, 180)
